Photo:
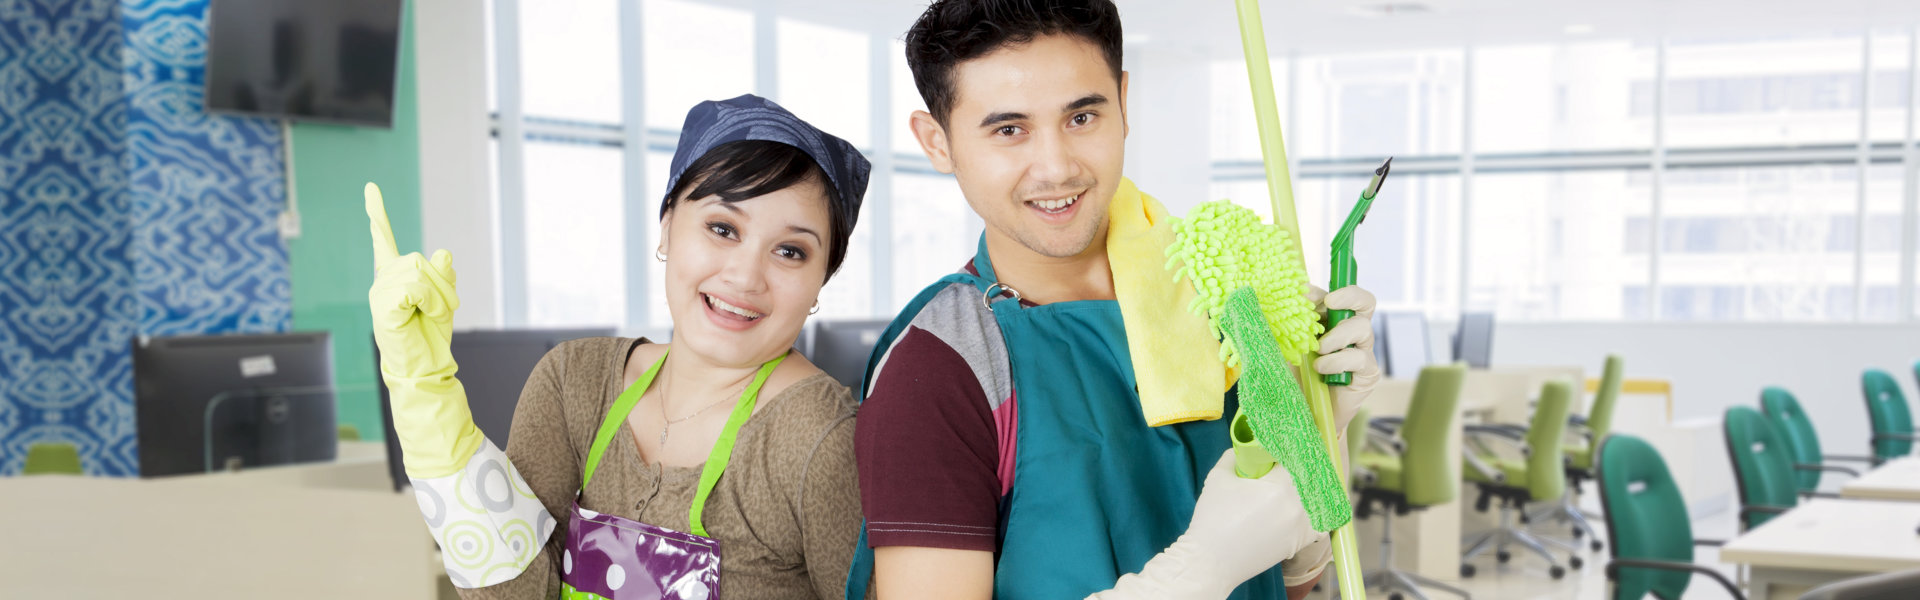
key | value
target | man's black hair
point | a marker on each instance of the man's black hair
(951, 32)
(749, 169)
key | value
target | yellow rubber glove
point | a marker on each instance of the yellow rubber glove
(413, 301)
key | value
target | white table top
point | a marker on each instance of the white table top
(1896, 480)
(1852, 536)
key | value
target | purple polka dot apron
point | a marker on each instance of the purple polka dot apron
(610, 558)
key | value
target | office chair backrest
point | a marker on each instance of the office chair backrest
(1887, 408)
(1546, 437)
(1796, 431)
(1430, 468)
(1762, 465)
(1646, 517)
(1600, 415)
(52, 458)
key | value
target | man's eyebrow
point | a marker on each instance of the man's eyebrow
(1002, 117)
(1085, 101)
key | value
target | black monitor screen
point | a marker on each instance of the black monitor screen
(331, 60)
(233, 400)
(1474, 342)
(842, 347)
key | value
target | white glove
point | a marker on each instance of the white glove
(1307, 564)
(1240, 529)
(1337, 357)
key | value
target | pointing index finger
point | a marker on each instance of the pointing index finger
(384, 249)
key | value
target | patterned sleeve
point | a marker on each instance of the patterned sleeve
(927, 449)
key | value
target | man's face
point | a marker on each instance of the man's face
(1036, 139)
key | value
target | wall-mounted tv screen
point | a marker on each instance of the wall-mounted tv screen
(322, 60)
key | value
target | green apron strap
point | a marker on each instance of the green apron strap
(723, 447)
(617, 417)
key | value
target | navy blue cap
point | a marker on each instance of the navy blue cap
(749, 117)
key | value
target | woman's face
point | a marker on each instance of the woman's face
(742, 276)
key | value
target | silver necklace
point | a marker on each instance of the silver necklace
(667, 424)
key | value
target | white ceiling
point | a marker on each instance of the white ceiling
(1209, 27)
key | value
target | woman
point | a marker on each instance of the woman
(633, 464)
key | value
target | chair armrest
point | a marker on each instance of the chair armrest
(1849, 458)
(1613, 571)
(1896, 436)
(1515, 438)
(1807, 467)
(1819, 495)
(1485, 470)
(1759, 508)
(1388, 441)
(1708, 542)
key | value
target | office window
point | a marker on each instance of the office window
(824, 79)
(658, 164)
(1776, 92)
(1890, 87)
(575, 261)
(1408, 250)
(1400, 103)
(1558, 245)
(906, 99)
(849, 294)
(931, 235)
(1234, 133)
(1881, 260)
(695, 51)
(1758, 243)
(570, 59)
(1561, 97)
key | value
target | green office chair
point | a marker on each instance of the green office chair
(1762, 466)
(1413, 471)
(1591, 430)
(52, 458)
(1648, 524)
(1887, 408)
(1802, 442)
(1540, 476)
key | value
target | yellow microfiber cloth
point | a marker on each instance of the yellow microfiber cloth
(1177, 362)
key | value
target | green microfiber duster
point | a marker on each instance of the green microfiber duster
(1275, 409)
(1252, 286)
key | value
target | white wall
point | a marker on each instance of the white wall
(1717, 365)
(456, 204)
(1167, 139)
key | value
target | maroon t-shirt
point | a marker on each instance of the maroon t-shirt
(934, 439)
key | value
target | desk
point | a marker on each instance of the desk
(1898, 479)
(1826, 540)
(321, 530)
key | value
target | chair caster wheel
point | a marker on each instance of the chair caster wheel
(1503, 556)
(1578, 533)
(1524, 520)
(1557, 572)
(1395, 597)
(1597, 545)
(1575, 562)
(1466, 570)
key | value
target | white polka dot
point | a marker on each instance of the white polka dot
(566, 561)
(496, 486)
(427, 506)
(587, 514)
(616, 577)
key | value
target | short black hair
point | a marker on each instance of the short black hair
(749, 169)
(951, 32)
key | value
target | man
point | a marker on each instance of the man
(1002, 447)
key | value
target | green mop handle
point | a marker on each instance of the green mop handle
(1273, 152)
(1346, 270)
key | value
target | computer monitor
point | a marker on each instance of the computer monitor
(1406, 343)
(220, 401)
(494, 366)
(1473, 342)
(842, 347)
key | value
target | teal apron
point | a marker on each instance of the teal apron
(1096, 492)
